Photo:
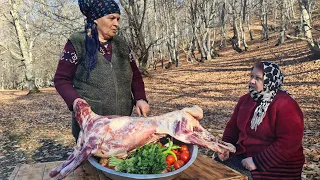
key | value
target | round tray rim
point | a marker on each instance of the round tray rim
(193, 157)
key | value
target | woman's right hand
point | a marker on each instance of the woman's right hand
(224, 156)
(75, 103)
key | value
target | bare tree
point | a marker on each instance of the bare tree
(264, 19)
(235, 40)
(222, 24)
(242, 22)
(25, 45)
(282, 5)
(314, 46)
(136, 17)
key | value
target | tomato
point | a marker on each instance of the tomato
(184, 148)
(170, 160)
(186, 152)
(185, 156)
(178, 155)
(178, 164)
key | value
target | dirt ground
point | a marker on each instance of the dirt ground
(37, 128)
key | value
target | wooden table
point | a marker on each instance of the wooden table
(202, 168)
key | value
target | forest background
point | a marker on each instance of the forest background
(189, 51)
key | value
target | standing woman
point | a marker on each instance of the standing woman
(267, 129)
(97, 66)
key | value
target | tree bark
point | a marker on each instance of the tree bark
(264, 20)
(222, 25)
(243, 36)
(136, 22)
(235, 40)
(314, 46)
(283, 23)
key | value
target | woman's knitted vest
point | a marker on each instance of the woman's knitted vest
(108, 88)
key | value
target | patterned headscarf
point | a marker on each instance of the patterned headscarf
(95, 9)
(273, 79)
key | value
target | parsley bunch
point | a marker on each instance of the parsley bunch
(148, 159)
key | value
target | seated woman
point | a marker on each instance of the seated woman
(267, 129)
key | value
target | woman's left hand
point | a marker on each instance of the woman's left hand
(248, 164)
(142, 107)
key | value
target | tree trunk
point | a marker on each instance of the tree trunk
(222, 26)
(208, 44)
(249, 29)
(283, 23)
(235, 41)
(243, 36)
(191, 48)
(176, 53)
(137, 22)
(24, 48)
(264, 20)
(314, 46)
(200, 48)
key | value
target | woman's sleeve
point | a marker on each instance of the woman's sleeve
(137, 85)
(289, 130)
(231, 132)
(65, 73)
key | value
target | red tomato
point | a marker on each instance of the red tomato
(175, 151)
(178, 155)
(185, 156)
(183, 148)
(178, 164)
(170, 160)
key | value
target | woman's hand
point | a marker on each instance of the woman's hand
(142, 107)
(75, 103)
(224, 156)
(248, 164)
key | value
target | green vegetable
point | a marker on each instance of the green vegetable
(172, 153)
(170, 147)
(146, 160)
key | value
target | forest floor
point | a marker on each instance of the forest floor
(37, 127)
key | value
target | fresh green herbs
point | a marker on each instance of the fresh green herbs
(148, 159)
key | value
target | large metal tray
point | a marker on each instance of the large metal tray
(193, 149)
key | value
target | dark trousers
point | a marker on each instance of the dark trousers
(234, 162)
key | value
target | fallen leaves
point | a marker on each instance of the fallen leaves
(37, 128)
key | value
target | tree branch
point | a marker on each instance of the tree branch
(16, 56)
(143, 15)
(299, 38)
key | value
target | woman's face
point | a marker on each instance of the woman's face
(107, 26)
(256, 79)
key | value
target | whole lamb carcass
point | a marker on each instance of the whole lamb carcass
(106, 136)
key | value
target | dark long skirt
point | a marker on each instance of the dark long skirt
(234, 162)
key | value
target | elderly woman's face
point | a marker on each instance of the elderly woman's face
(256, 79)
(107, 26)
